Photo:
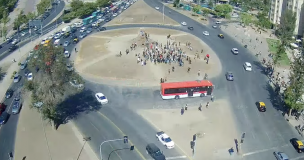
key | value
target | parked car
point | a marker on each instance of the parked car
(3, 118)
(190, 28)
(155, 152)
(16, 106)
(67, 54)
(89, 30)
(23, 65)
(66, 43)
(82, 35)
(15, 41)
(9, 93)
(2, 108)
(102, 29)
(17, 78)
(30, 77)
(12, 48)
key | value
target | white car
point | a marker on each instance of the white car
(165, 139)
(82, 29)
(30, 76)
(157, 8)
(214, 26)
(66, 54)
(247, 66)
(57, 36)
(50, 37)
(115, 14)
(42, 42)
(235, 51)
(218, 22)
(101, 98)
(206, 33)
(94, 24)
(184, 23)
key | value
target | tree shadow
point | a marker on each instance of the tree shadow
(258, 66)
(72, 106)
(276, 99)
(2, 74)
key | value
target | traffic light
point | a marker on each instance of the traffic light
(125, 139)
(132, 148)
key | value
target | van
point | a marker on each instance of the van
(155, 152)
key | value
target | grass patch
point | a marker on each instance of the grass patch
(273, 45)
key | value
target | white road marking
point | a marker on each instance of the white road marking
(300, 157)
(177, 157)
(268, 135)
(94, 126)
(252, 135)
(265, 150)
(10, 106)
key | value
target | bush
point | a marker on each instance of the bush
(19, 64)
(14, 72)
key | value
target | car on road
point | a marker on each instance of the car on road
(184, 23)
(247, 66)
(206, 33)
(23, 33)
(297, 144)
(155, 152)
(82, 35)
(214, 26)
(280, 156)
(26, 72)
(108, 19)
(23, 65)
(165, 139)
(66, 43)
(66, 35)
(67, 54)
(9, 93)
(77, 85)
(0, 46)
(101, 98)
(16, 106)
(75, 39)
(12, 48)
(2, 108)
(115, 14)
(94, 24)
(229, 76)
(3, 118)
(89, 30)
(57, 36)
(70, 67)
(261, 106)
(190, 28)
(15, 41)
(17, 78)
(30, 76)
(235, 51)
(218, 22)
(221, 36)
(82, 29)
(157, 8)
(50, 37)
(102, 29)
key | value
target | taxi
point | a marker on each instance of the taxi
(261, 106)
(297, 144)
(75, 39)
(221, 36)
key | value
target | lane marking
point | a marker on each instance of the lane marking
(177, 157)
(121, 132)
(108, 143)
(300, 157)
(189, 157)
(265, 150)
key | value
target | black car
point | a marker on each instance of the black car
(66, 35)
(9, 40)
(9, 93)
(73, 30)
(297, 144)
(155, 152)
(107, 19)
(26, 72)
(190, 28)
(3, 118)
(12, 48)
(102, 29)
(0, 46)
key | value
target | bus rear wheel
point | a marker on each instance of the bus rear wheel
(176, 97)
(202, 95)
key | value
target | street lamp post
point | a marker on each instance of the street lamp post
(119, 150)
(85, 139)
(125, 139)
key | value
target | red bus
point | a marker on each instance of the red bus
(176, 90)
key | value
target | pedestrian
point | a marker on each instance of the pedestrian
(199, 73)
(161, 80)
(200, 107)
(207, 104)
(120, 54)
(173, 68)
(186, 107)
(231, 150)
(189, 69)
(14, 60)
(212, 98)
(75, 49)
(182, 111)
(169, 71)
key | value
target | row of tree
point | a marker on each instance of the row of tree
(51, 85)
(80, 9)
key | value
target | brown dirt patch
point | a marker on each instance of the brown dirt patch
(98, 59)
(140, 13)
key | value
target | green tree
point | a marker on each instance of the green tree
(103, 3)
(30, 16)
(295, 90)
(263, 20)
(196, 9)
(21, 19)
(51, 85)
(42, 6)
(176, 3)
(287, 26)
(210, 4)
(246, 18)
(5, 19)
(279, 54)
(76, 5)
(4, 31)
(205, 11)
(86, 10)
(223, 9)
(2, 74)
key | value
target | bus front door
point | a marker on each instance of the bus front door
(190, 93)
(209, 90)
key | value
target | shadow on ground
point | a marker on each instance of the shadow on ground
(2, 74)
(276, 99)
(84, 101)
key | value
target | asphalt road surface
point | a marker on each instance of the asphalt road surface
(265, 132)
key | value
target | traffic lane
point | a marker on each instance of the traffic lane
(57, 9)
(100, 130)
(7, 136)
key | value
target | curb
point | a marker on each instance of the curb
(141, 24)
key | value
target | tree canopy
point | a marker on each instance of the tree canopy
(223, 9)
(246, 18)
(51, 83)
(287, 26)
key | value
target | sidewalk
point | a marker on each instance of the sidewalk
(37, 140)
(64, 144)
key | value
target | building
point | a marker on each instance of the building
(278, 7)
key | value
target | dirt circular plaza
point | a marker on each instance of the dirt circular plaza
(142, 56)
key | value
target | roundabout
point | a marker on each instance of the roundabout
(103, 57)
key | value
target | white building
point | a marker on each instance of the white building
(278, 7)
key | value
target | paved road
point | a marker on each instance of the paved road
(265, 132)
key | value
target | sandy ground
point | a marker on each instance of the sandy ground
(216, 122)
(97, 58)
(200, 19)
(140, 13)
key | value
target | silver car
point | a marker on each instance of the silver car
(23, 65)
(17, 78)
(16, 107)
(281, 156)
(229, 76)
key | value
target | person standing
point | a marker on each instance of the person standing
(200, 107)
(186, 107)
(212, 98)
(182, 111)
(207, 105)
